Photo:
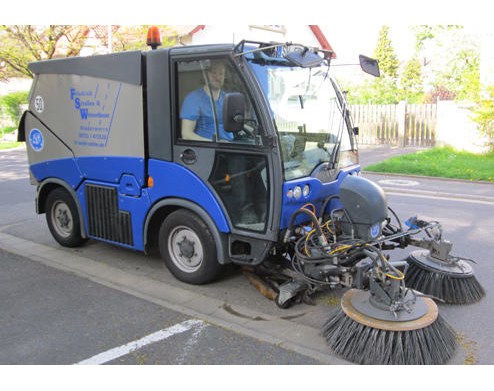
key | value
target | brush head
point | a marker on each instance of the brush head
(363, 339)
(451, 282)
(360, 306)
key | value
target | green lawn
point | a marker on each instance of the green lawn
(9, 144)
(441, 162)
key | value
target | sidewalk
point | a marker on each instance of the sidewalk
(372, 154)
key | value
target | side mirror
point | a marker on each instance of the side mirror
(233, 112)
(304, 58)
(369, 65)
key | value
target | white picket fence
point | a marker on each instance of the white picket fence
(397, 124)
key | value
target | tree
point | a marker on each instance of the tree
(11, 104)
(384, 53)
(383, 90)
(411, 81)
(134, 37)
(423, 33)
(453, 57)
(484, 112)
(21, 44)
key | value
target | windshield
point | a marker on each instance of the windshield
(307, 113)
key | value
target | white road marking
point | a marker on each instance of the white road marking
(189, 345)
(120, 351)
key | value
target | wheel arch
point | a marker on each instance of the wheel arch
(50, 184)
(161, 209)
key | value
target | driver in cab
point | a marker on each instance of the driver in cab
(198, 117)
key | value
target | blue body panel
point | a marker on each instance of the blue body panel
(127, 176)
(110, 168)
(137, 206)
(172, 180)
(65, 169)
(318, 193)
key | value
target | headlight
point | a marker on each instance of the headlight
(297, 192)
(306, 190)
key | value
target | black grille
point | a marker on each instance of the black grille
(105, 221)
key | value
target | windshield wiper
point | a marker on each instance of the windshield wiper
(334, 155)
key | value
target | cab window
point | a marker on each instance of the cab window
(202, 86)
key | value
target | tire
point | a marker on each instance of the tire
(188, 249)
(63, 218)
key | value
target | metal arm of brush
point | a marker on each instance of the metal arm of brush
(439, 249)
(409, 233)
(385, 281)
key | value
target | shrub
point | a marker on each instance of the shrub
(11, 104)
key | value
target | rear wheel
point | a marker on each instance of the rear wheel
(188, 249)
(63, 219)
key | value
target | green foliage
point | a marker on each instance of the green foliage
(376, 91)
(446, 63)
(21, 44)
(461, 73)
(134, 37)
(438, 93)
(11, 104)
(384, 53)
(427, 32)
(411, 81)
(484, 113)
(10, 145)
(389, 88)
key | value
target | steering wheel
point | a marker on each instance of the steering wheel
(249, 130)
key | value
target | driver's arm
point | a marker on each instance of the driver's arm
(188, 133)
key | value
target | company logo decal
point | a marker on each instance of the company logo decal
(36, 140)
(39, 104)
(96, 109)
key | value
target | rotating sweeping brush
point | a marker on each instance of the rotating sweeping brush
(453, 282)
(363, 332)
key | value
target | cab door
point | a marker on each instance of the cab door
(238, 168)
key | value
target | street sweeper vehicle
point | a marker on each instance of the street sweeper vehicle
(241, 154)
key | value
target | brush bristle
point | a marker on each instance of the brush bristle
(444, 286)
(434, 344)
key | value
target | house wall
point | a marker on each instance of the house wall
(456, 128)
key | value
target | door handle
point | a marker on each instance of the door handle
(188, 156)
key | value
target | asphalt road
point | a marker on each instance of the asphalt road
(53, 317)
(232, 305)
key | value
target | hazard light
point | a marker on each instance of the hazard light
(153, 38)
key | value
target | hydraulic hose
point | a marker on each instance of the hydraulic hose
(325, 204)
(311, 215)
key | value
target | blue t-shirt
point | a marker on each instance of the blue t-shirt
(197, 107)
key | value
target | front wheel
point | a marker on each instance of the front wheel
(63, 219)
(188, 249)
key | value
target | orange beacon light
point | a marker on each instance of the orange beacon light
(153, 38)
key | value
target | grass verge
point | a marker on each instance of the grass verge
(442, 162)
(9, 144)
